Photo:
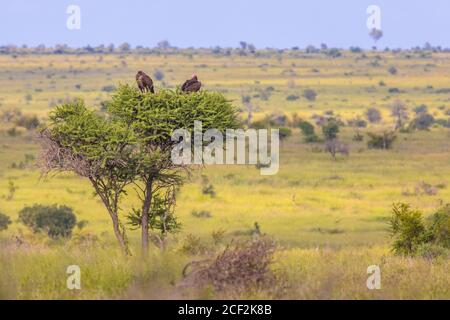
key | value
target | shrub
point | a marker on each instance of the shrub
(373, 115)
(330, 129)
(240, 268)
(358, 123)
(13, 132)
(381, 141)
(285, 133)
(29, 122)
(292, 97)
(310, 94)
(407, 228)
(439, 227)
(423, 121)
(392, 70)
(309, 135)
(56, 221)
(306, 128)
(5, 221)
(421, 109)
(413, 236)
(201, 214)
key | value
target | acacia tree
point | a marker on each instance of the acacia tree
(131, 146)
(79, 140)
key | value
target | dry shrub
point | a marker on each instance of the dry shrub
(242, 267)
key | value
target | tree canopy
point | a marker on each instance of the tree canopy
(130, 144)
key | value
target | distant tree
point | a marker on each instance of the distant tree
(164, 44)
(158, 74)
(124, 47)
(400, 113)
(330, 129)
(243, 45)
(5, 221)
(373, 115)
(376, 34)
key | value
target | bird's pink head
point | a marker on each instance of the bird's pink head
(194, 76)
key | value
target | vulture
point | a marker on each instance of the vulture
(144, 82)
(191, 85)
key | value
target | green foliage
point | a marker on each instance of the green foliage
(130, 143)
(5, 221)
(154, 117)
(56, 221)
(439, 227)
(161, 217)
(285, 133)
(330, 130)
(308, 131)
(407, 228)
(381, 141)
(414, 236)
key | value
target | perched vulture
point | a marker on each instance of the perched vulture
(191, 85)
(144, 82)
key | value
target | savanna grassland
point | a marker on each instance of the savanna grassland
(328, 217)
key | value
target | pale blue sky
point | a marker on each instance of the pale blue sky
(207, 23)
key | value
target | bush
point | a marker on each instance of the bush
(285, 133)
(407, 228)
(5, 221)
(439, 227)
(240, 268)
(292, 97)
(310, 94)
(330, 129)
(56, 221)
(414, 237)
(29, 122)
(393, 70)
(201, 214)
(373, 115)
(309, 135)
(423, 121)
(358, 123)
(381, 141)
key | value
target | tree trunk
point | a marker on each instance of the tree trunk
(119, 235)
(114, 217)
(145, 215)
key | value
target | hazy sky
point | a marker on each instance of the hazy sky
(207, 23)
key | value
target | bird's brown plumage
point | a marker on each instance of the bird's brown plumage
(191, 85)
(144, 82)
